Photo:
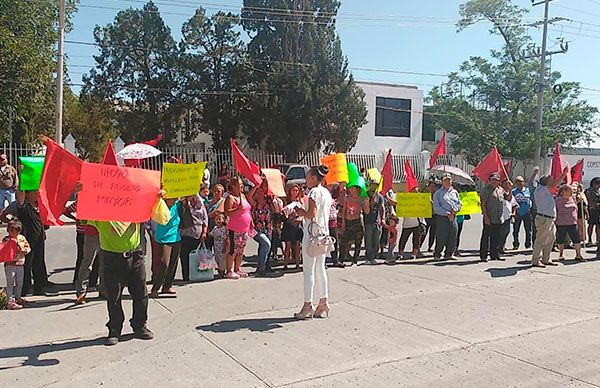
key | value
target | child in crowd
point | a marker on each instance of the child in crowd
(219, 234)
(14, 269)
(392, 231)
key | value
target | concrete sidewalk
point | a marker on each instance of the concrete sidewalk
(418, 323)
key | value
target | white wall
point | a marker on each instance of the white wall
(368, 143)
(591, 165)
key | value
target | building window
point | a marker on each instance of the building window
(393, 117)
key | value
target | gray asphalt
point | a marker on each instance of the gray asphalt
(419, 323)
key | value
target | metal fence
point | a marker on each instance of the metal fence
(216, 158)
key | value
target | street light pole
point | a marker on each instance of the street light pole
(541, 87)
(60, 72)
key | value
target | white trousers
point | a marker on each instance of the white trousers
(314, 267)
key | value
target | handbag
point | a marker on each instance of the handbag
(202, 264)
(319, 243)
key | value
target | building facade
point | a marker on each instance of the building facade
(394, 119)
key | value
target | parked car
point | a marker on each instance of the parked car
(295, 174)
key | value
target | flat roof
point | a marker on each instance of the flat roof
(387, 84)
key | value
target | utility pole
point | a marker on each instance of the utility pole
(541, 85)
(540, 96)
(60, 71)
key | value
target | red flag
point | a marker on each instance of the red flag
(577, 172)
(244, 166)
(8, 250)
(62, 171)
(557, 168)
(505, 172)
(154, 142)
(491, 163)
(387, 174)
(411, 181)
(439, 150)
(109, 157)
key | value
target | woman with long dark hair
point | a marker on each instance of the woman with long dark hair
(316, 223)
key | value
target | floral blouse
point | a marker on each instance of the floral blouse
(262, 215)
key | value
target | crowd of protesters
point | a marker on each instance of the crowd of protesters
(221, 218)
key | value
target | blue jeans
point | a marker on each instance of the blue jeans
(372, 238)
(264, 247)
(527, 223)
(7, 195)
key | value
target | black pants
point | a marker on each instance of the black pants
(121, 270)
(188, 244)
(490, 241)
(333, 232)
(35, 262)
(430, 226)
(93, 280)
(169, 256)
(460, 229)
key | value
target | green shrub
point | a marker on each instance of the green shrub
(3, 299)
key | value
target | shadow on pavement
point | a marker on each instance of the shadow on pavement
(258, 324)
(40, 304)
(34, 352)
(504, 272)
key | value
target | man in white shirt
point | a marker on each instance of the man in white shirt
(508, 212)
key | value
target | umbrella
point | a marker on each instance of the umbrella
(138, 151)
(458, 176)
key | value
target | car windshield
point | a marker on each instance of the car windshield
(296, 173)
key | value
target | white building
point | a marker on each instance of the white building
(394, 119)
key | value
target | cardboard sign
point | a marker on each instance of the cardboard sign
(274, 182)
(31, 173)
(413, 205)
(182, 180)
(112, 193)
(338, 169)
(470, 203)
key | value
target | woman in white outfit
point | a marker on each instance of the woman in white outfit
(317, 208)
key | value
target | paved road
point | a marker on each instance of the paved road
(419, 323)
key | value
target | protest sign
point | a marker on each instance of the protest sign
(274, 182)
(31, 173)
(470, 203)
(113, 193)
(182, 180)
(413, 205)
(338, 170)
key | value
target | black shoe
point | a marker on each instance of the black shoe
(144, 334)
(260, 274)
(113, 338)
(50, 291)
(483, 260)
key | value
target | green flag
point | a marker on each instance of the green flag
(31, 173)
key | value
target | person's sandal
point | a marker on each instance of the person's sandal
(580, 258)
(322, 311)
(306, 313)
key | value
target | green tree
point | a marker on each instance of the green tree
(136, 72)
(90, 120)
(214, 76)
(306, 98)
(28, 36)
(493, 101)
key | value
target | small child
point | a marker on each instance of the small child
(392, 229)
(14, 269)
(219, 234)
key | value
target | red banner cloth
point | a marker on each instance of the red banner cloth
(244, 166)
(8, 250)
(490, 164)
(439, 150)
(110, 156)
(387, 174)
(577, 172)
(411, 181)
(62, 171)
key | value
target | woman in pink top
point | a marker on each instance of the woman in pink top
(237, 209)
(566, 221)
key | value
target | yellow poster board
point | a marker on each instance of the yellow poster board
(413, 205)
(470, 203)
(338, 169)
(182, 180)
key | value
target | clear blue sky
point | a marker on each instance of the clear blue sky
(399, 35)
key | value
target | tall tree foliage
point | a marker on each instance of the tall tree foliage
(307, 98)
(136, 72)
(28, 36)
(498, 100)
(213, 75)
